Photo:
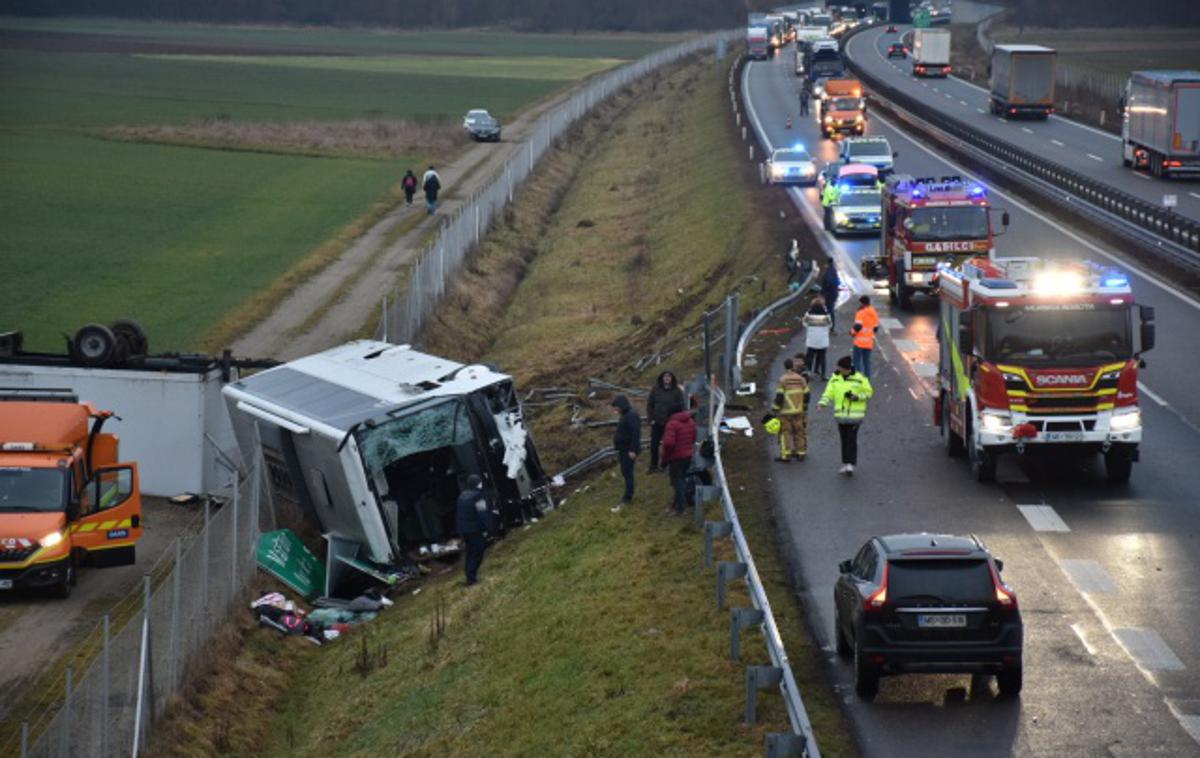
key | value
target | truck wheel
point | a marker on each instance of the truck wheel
(1156, 165)
(94, 345)
(1118, 465)
(983, 463)
(954, 443)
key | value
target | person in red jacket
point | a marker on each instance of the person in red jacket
(678, 443)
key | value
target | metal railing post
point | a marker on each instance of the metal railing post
(712, 530)
(739, 619)
(233, 540)
(104, 685)
(759, 678)
(727, 571)
(204, 550)
(783, 745)
(64, 724)
(24, 739)
(176, 581)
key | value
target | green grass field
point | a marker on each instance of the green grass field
(1117, 50)
(176, 236)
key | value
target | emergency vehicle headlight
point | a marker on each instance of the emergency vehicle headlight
(777, 170)
(1126, 422)
(51, 539)
(996, 422)
(839, 217)
(829, 118)
(1059, 282)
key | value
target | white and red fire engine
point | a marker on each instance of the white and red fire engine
(927, 222)
(1037, 353)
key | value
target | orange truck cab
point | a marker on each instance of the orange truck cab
(843, 107)
(65, 501)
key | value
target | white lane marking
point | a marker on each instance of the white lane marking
(891, 323)
(1027, 130)
(963, 103)
(923, 84)
(1189, 721)
(1091, 129)
(948, 95)
(1043, 518)
(1057, 142)
(925, 370)
(1147, 649)
(1083, 640)
(1095, 157)
(914, 394)
(1190, 724)
(981, 110)
(1152, 395)
(1195, 195)
(1088, 576)
(1026, 208)
(935, 89)
(906, 346)
(1140, 175)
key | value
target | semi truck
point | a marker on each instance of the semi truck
(1161, 127)
(931, 52)
(1022, 81)
(758, 43)
(929, 224)
(65, 499)
(1038, 354)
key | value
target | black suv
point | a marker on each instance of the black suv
(927, 603)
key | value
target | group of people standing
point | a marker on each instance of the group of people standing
(847, 390)
(673, 437)
(431, 183)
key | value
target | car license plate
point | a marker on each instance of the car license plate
(941, 620)
(1064, 436)
(5, 584)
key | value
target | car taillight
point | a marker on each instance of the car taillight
(876, 599)
(1005, 598)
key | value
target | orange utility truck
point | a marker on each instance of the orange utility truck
(65, 501)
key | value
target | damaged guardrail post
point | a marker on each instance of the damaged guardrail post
(759, 678)
(712, 530)
(704, 494)
(732, 310)
(726, 572)
(739, 619)
(783, 745)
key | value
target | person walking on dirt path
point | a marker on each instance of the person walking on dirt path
(866, 324)
(409, 185)
(791, 405)
(849, 392)
(431, 183)
(830, 284)
(678, 446)
(805, 96)
(817, 323)
(664, 395)
(471, 520)
(627, 442)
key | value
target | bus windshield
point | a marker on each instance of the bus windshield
(32, 489)
(1069, 334)
(969, 222)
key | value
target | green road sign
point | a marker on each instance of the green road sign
(283, 554)
(921, 19)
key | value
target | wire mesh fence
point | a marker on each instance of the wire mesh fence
(404, 313)
(109, 707)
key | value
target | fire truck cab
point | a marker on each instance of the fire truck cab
(929, 222)
(64, 498)
(1037, 354)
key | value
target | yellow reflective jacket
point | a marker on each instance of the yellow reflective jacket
(830, 194)
(838, 392)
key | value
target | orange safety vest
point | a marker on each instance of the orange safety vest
(866, 323)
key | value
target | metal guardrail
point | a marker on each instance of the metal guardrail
(1158, 229)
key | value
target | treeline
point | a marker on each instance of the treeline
(533, 15)
(1071, 13)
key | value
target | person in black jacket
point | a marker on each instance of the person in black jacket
(627, 441)
(665, 393)
(432, 184)
(471, 517)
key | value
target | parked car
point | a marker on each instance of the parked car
(856, 210)
(791, 164)
(897, 50)
(927, 603)
(848, 175)
(873, 151)
(482, 126)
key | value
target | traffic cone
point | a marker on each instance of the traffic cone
(789, 121)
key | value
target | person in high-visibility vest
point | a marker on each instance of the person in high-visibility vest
(848, 391)
(791, 404)
(866, 324)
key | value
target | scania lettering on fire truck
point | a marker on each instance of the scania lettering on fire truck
(929, 222)
(64, 498)
(1039, 354)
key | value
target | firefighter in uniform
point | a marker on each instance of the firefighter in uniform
(791, 404)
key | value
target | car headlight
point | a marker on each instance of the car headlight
(776, 170)
(829, 119)
(1126, 422)
(51, 539)
(996, 422)
(810, 169)
(858, 118)
(840, 217)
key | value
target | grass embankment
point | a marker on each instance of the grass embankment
(173, 172)
(592, 633)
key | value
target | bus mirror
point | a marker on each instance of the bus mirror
(1146, 313)
(1147, 336)
(1004, 219)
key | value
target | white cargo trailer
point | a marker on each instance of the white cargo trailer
(1022, 80)
(931, 52)
(1161, 127)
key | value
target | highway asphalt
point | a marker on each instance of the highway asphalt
(1082, 148)
(1108, 577)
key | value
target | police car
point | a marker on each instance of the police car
(791, 164)
(872, 151)
(857, 210)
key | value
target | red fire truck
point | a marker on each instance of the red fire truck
(927, 222)
(1037, 353)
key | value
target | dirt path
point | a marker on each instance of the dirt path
(348, 291)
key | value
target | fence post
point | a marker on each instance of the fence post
(145, 688)
(383, 317)
(64, 727)
(732, 307)
(752, 152)
(176, 580)
(204, 559)
(104, 687)
(24, 739)
(727, 571)
(759, 678)
(233, 541)
(739, 619)
(712, 530)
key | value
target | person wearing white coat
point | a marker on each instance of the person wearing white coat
(817, 324)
